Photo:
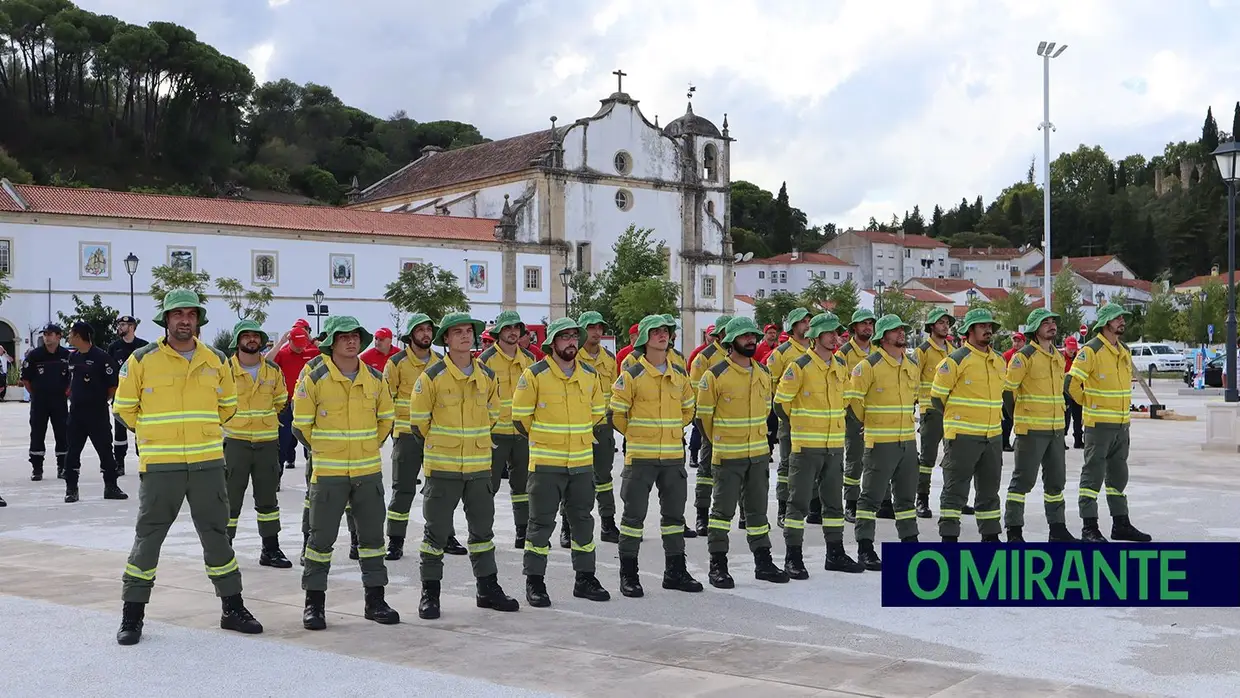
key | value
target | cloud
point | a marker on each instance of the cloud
(259, 61)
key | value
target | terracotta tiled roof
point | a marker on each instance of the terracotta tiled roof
(475, 162)
(1035, 298)
(1077, 263)
(926, 296)
(102, 203)
(971, 253)
(746, 299)
(1105, 279)
(946, 285)
(1199, 281)
(994, 293)
(802, 258)
(920, 241)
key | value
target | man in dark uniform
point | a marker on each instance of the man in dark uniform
(120, 350)
(45, 373)
(93, 378)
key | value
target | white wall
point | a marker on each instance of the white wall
(988, 273)
(748, 283)
(591, 215)
(487, 203)
(594, 145)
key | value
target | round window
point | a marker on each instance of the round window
(624, 199)
(623, 162)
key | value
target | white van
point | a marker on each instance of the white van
(1161, 356)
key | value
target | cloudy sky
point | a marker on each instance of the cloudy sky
(864, 107)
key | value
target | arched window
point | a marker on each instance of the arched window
(710, 163)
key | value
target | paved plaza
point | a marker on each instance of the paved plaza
(60, 568)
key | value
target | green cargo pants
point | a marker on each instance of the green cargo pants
(975, 460)
(305, 509)
(160, 495)
(931, 437)
(636, 482)
(784, 434)
(514, 451)
(815, 474)
(406, 463)
(440, 497)
(747, 478)
(549, 486)
(328, 499)
(1106, 462)
(258, 461)
(854, 454)
(1037, 448)
(604, 463)
(704, 485)
(888, 467)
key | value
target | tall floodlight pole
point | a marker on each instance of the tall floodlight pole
(1045, 50)
(1227, 155)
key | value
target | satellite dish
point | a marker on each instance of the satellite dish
(748, 256)
(738, 257)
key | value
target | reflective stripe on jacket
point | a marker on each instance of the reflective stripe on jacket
(811, 392)
(969, 384)
(1101, 382)
(733, 403)
(929, 356)
(454, 414)
(652, 410)
(401, 372)
(344, 421)
(259, 402)
(881, 394)
(507, 370)
(784, 355)
(1035, 378)
(558, 413)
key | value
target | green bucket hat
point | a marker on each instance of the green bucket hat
(794, 316)
(340, 324)
(412, 324)
(1036, 317)
(508, 318)
(822, 322)
(721, 324)
(644, 327)
(1106, 313)
(935, 315)
(977, 316)
(740, 326)
(247, 326)
(587, 318)
(888, 323)
(556, 327)
(669, 321)
(178, 298)
(454, 319)
(861, 315)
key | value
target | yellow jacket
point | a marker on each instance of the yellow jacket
(854, 354)
(968, 388)
(1101, 382)
(732, 405)
(259, 402)
(1035, 379)
(929, 356)
(176, 407)
(558, 413)
(604, 364)
(344, 422)
(811, 394)
(705, 360)
(401, 371)
(785, 354)
(652, 410)
(454, 413)
(674, 357)
(507, 372)
(677, 358)
(881, 395)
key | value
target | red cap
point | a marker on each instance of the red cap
(633, 329)
(383, 333)
(783, 336)
(299, 337)
(770, 327)
(1069, 342)
(1021, 335)
(302, 323)
(710, 329)
(486, 336)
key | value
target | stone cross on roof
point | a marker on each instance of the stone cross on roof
(620, 75)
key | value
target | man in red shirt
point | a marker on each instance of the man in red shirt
(1072, 408)
(768, 344)
(710, 329)
(291, 354)
(529, 342)
(1018, 343)
(626, 350)
(378, 354)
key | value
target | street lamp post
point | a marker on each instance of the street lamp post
(1100, 298)
(878, 297)
(1226, 155)
(131, 266)
(1045, 50)
(971, 294)
(566, 275)
(1201, 295)
(318, 311)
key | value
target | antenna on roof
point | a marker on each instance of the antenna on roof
(748, 256)
(737, 257)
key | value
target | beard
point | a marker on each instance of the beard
(567, 353)
(421, 344)
(746, 350)
(248, 348)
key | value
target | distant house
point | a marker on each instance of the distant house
(989, 266)
(791, 272)
(889, 257)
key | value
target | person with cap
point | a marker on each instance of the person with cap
(626, 350)
(1033, 393)
(121, 348)
(704, 485)
(1072, 408)
(651, 403)
(968, 392)
(343, 411)
(598, 357)
(401, 374)
(798, 345)
(175, 395)
(858, 348)
(811, 398)
(1019, 341)
(291, 354)
(93, 378)
(529, 342)
(1101, 381)
(881, 393)
(930, 353)
(45, 374)
(377, 355)
(252, 439)
(511, 449)
(558, 404)
(769, 343)
(454, 404)
(733, 400)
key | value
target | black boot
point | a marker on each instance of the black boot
(886, 510)
(491, 595)
(131, 623)
(536, 591)
(850, 511)
(353, 545)
(676, 576)
(36, 471)
(428, 607)
(868, 557)
(454, 547)
(3, 503)
(112, 491)
(740, 524)
(951, 539)
(794, 566)
(71, 494)
(377, 608)
(839, 561)
(587, 586)
(689, 532)
(1014, 534)
(120, 467)
(314, 617)
(923, 506)
(272, 556)
(237, 617)
(1078, 443)
(396, 548)
(764, 568)
(1061, 534)
(608, 533)
(566, 536)
(779, 518)
(703, 521)
(966, 510)
(1122, 529)
(719, 577)
(630, 582)
(815, 513)
(991, 538)
(1090, 532)
(518, 542)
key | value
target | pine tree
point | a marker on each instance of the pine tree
(914, 224)
(936, 222)
(1121, 176)
(1209, 132)
(783, 233)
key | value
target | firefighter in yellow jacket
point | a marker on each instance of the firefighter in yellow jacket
(704, 485)
(732, 403)
(507, 360)
(175, 394)
(343, 412)
(252, 439)
(593, 354)
(455, 403)
(858, 348)
(651, 404)
(796, 324)
(1101, 382)
(558, 404)
(968, 391)
(930, 353)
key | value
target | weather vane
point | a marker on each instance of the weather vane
(692, 89)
